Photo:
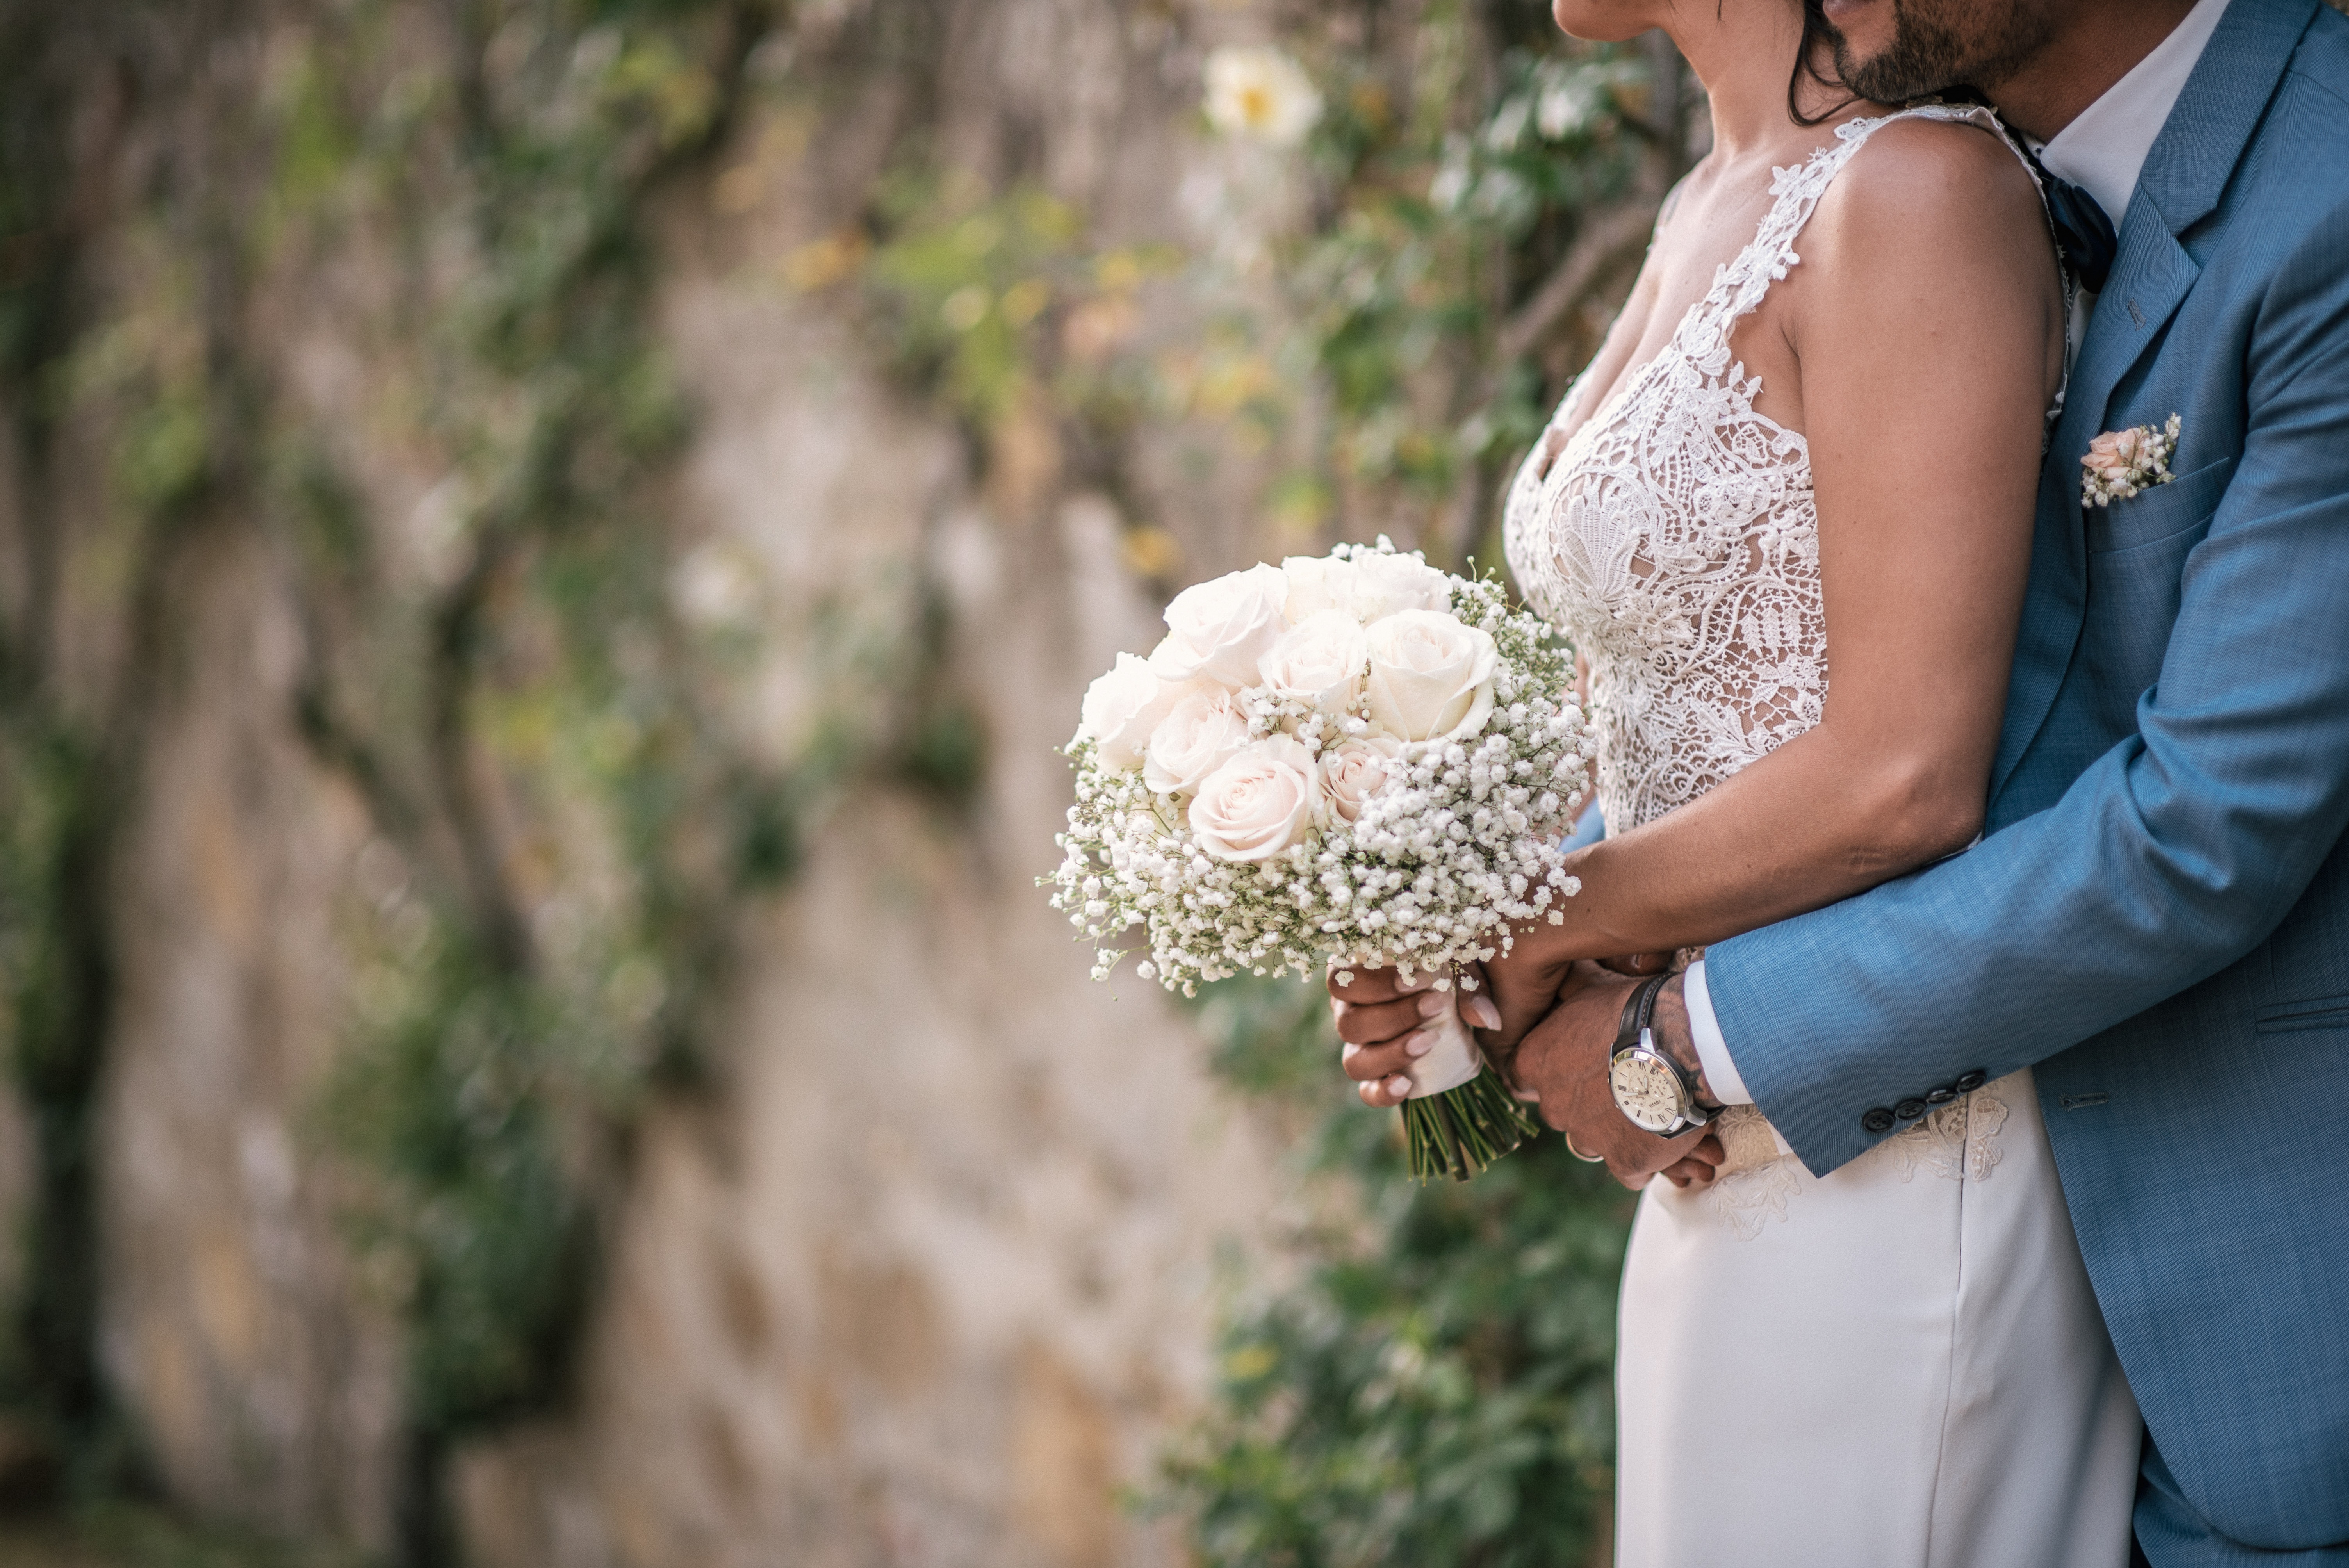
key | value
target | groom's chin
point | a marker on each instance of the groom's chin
(1869, 51)
(1897, 51)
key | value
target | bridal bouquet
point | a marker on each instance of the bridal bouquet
(1350, 760)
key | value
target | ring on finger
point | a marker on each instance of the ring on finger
(1578, 1154)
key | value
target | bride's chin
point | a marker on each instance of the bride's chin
(1601, 21)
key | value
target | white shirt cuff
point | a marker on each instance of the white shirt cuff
(1712, 1050)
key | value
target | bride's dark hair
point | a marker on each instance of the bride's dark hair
(1817, 40)
(1816, 35)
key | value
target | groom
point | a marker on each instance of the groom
(2159, 918)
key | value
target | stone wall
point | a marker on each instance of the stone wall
(925, 1273)
(931, 1278)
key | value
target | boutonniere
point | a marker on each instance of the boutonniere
(2122, 463)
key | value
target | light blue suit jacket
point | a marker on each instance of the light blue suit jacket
(2159, 917)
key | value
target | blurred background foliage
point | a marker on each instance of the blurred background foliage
(1438, 1386)
(565, 822)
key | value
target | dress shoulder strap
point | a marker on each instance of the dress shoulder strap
(1739, 287)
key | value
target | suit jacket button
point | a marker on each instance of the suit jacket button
(1941, 1096)
(1909, 1109)
(1972, 1081)
(1877, 1120)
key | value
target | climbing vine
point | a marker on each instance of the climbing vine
(515, 681)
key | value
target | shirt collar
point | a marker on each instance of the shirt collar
(2102, 150)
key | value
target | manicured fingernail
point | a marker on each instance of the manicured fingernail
(1349, 1051)
(1399, 1086)
(1419, 1045)
(1482, 1013)
(1433, 1006)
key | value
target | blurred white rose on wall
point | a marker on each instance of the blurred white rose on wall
(1260, 92)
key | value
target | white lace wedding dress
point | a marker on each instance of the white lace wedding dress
(1901, 1363)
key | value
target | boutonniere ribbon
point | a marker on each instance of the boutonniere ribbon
(2120, 463)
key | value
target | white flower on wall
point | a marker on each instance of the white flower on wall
(716, 586)
(1260, 92)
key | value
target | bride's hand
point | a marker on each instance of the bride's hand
(1639, 965)
(1378, 1019)
(1524, 986)
(1526, 989)
(1699, 1166)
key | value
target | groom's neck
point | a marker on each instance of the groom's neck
(2095, 43)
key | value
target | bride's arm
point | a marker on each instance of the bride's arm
(1926, 321)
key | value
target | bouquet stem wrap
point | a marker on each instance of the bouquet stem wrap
(1460, 1118)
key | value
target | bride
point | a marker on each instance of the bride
(1817, 425)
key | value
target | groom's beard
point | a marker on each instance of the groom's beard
(1937, 44)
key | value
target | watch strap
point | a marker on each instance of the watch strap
(1638, 1012)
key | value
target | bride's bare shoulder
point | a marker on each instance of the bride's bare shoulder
(1938, 196)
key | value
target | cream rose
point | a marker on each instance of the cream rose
(1367, 587)
(1218, 631)
(1387, 584)
(1431, 676)
(1259, 803)
(2116, 456)
(1354, 770)
(1122, 708)
(1316, 583)
(1319, 661)
(1199, 734)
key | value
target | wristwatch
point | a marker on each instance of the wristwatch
(1650, 1088)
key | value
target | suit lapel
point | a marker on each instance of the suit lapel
(2187, 171)
(2150, 279)
(2184, 177)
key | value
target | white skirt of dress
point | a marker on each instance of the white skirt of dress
(1899, 1364)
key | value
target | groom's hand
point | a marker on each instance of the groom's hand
(1564, 1063)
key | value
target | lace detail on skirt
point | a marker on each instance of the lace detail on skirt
(1756, 1177)
(1959, 1140)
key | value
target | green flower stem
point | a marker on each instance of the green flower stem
(1459, 1132)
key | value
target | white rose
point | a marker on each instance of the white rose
(1354, 770)
(1256, 91)
(1122, 708)
(1317, 583)
(1387, 584)
(1367, 587)
(1319, 661)
(1431, 676)
(1217, 631)
(1259, 803)
(1199, 734)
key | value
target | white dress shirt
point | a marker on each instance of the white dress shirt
(2100, 151)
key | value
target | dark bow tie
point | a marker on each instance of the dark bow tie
(2083, 232)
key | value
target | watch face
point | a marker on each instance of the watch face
(1647, 1090)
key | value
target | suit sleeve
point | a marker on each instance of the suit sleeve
(2172, 855)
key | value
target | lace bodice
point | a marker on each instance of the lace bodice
(1672, 536)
